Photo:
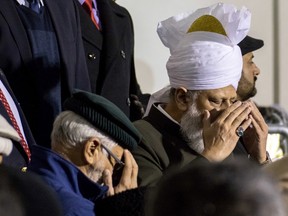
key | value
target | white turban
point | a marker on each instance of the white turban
(7, 134)
(204, 59)
(203, 48)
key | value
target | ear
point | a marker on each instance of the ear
(181, 99)
(91, 150)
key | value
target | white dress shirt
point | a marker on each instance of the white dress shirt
(13, 108)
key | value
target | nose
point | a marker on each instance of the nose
(256, 71)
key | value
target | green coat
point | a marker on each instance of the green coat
(163, 147)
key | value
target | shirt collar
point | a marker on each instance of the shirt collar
(82, 1)
(160, 108)
(25, 2)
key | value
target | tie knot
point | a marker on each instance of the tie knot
(34, 5)
(88, 6)
(33, 1)
(89, 3)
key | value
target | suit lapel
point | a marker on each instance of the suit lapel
(113, 24)
(3, 110)
(7, 86)
(89, 31)
(9, 11)
(25, 126)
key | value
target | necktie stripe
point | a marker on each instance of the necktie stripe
(14, 123)
(88, 6)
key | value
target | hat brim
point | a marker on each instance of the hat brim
(250, 44)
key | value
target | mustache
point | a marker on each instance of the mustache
(255, 78)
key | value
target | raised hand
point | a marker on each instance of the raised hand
(128, 179)
(219, 135)
(255, 137)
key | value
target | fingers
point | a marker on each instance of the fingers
(261, 132)
(257, 116)
(234, 115)
(107, 180)
(137, 103)
(246, 123)
(128, 164)
(129, 175)
(134, 97)
(255, 140)
(229, 114)
(219, 139)
(130, 171)
(241, 117)
(134, 173)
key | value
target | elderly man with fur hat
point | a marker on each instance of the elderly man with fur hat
(90, 157)
(198, 115)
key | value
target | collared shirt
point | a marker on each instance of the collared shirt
(159, 107)
(94, 10)
(26, 3)
(13, 108)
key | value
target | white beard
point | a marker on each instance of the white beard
(95, 173)
(192, 128)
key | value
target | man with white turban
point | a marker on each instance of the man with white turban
(198, 116)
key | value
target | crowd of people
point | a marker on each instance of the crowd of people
(78, 136)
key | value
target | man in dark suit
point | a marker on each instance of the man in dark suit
(43, 58)
(109, 55)
(18, 157)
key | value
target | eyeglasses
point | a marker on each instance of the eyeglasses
(119, 164)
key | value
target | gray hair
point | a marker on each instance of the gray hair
(71, 130)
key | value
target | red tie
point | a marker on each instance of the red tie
(87, 5)
(14, 123)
